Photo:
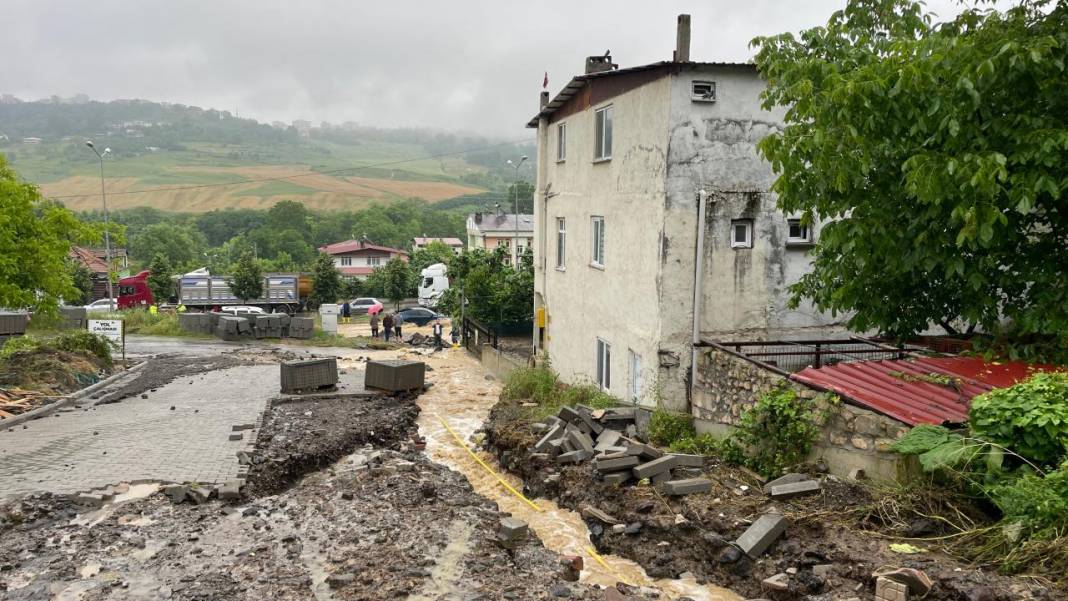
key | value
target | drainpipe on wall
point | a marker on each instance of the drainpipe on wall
(698, 286)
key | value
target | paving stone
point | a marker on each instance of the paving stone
(607, 438)
(554, 432)
(778, 582)
(686, 460)
(573, 457)
(617, 477)
(686, 487)
(176, 492)
(591, 512)
(655, 466)
(795, 489)
(890, 590)
(661, 477)
(614, 465)
(787, 479)
(240, 427)
(236, 436)
(198, 494)
(513, 529)
(555, 448)
(229, 490)
(759, 536)
(580, 441)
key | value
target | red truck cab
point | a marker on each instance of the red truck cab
(134, 291)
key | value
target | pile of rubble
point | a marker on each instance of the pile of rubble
(609, 438)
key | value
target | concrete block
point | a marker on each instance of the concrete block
(90, 500)
(778, 582)
(890, 590)
(617, 464)
(689, 460)
(198, 494)
(580, 441)
(606, 439)
(554, 432)
(513, 530)
(230, 490)
(661, 477)
(686, 487)
(787, 479)
(649, 452)
(795, 489)
(555, 447)
(236, 436)
(759, 536)
(569, 415)
(567, 445)
(617, 477)
(176, 492)
(656, 466)
(573, 457)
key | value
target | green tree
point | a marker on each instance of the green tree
(524, 192)
(937, 151)
(82, 279)
(159, 278)
(495, 291)
(435, 252)
(35, 239)
(181, 245)
(351, 288)
(326, 280)
(397, 280)
(247, 279)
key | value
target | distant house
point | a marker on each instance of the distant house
(119, 260)
(97, 266)
(31, 140)
(456, 244)
(490, 230)
(358, 258)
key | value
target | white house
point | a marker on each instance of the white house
(649, 187)
(490, 230)
(358, 258)
(456, 244)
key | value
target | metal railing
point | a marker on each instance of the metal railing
(790, 356)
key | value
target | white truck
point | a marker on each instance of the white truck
(432, 284)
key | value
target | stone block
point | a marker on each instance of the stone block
(778, 582)
(685, 487)
(236, 436)
(861, 441)
(689, 460)
(787, 479)
(606, 439)
(890, 590)
(656, 466)
(650, 452)
(573, 456)
(794, 489)
(555, 447)
(176, 492)
(555, 432)
(761, 534)
(617, 477)
(513, 530)
(661, 477)
(90, 500)
(616, 464)
(580, 441)
(198, 494)
(230, 490)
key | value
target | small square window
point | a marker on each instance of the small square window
(799, 233)
(741, 233)
(703, 91)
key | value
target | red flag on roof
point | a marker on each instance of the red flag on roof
(545, 82)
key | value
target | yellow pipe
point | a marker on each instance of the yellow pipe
(460, 442)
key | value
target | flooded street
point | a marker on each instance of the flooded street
(462, 396)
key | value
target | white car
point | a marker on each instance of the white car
(242, 310)
(103, 305)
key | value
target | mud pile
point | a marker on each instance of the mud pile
(825, 552)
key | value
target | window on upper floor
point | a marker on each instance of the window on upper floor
(602, 150)
(799, 233)
(374, 261)
(703, 91)
(561, 142)
(346, 261)
(742, 233)
(561, 242)
(597, 236)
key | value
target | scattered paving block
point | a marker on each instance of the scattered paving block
(90, 500)
(198, 495)
(661, 477)
(570, 416)
(654, 467)
(778, 582)
(686, 487)
(240, 427)
(591, 512)
(555, 448)
(759, 536)
(616, 464)
(607, 439)
(612, 450)
(512, 530)
(787, 479)
(890, 590)
(230, 490)
(795, 489)
(236, 436)
(567, 446)
(554, 432)
(591, 425)
(917, 582)
(689, 460)
(617, 477)
(176, 492)
(573, 457)
(580, 441)
(650, 452)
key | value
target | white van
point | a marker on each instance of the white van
(433, 284)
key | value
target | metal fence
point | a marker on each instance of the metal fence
(474, 334)
(791, 356)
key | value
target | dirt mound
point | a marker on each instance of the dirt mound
(51, 371)
(672, 535)
(305, 435)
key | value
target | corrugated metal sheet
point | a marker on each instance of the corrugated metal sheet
(903, 389)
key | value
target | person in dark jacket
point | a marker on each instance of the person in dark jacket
(437, 335)
(374, 325)
(346, 312)
(387, 325)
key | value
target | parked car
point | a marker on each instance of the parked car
(363, 306)
(419, 316)
(242, 310)
(103, 305)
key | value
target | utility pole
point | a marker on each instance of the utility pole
(107, 227)
(515, 185)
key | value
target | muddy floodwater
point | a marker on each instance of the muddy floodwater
(462, 396)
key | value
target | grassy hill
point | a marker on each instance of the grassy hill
(186, 159)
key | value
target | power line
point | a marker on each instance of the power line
(299, 175)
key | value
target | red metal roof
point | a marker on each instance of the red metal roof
(903, 389)
(352, 246)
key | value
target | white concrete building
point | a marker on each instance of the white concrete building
(490, 230)
(650, 186)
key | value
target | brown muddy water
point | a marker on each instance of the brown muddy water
(462, 396)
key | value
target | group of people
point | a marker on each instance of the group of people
(391, 325)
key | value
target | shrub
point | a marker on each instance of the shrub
(537, 384)
(74, 341)
(1040, 504)
(1030, 417)
(777, 432)
(669, 427)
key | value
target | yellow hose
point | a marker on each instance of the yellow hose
(512, 490)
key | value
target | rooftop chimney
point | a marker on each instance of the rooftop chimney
(682, 40)
(478, 217)
(544, 99)
(598, 64)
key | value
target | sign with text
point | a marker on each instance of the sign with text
(108, 328)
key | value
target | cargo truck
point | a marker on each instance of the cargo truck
(433, 283)
(283, 292)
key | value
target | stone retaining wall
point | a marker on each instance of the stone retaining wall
(725, 385)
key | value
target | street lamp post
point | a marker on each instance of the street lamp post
(107, 235)
(515, 185)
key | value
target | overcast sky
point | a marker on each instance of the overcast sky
(446, 64)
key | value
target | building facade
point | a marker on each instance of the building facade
(358, 258)
(456, 244)
(490, 230)
(649, 187)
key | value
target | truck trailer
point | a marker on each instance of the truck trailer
(282, 292)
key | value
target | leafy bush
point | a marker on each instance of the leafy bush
(669, 428)
(1030, 417)
(537, 384)
(777, 432)
(1040, 504)
(74, 341)
(701, 444)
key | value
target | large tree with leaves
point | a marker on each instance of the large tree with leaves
(247, 280)
(326, 281)
(396, 280)
(938, 150)
(159, 278)
(35, 239)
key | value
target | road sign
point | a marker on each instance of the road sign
(110, 329)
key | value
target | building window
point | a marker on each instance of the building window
(799, 233)
(635, 384)
(597, 252)
(561, 142)
(703, 91)
(742, 233)
(374, 261)
(346, 261)
(561, 242)
(604, 364)
(505, 242)
(603, 132)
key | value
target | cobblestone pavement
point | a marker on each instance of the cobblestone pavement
(181, 432)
